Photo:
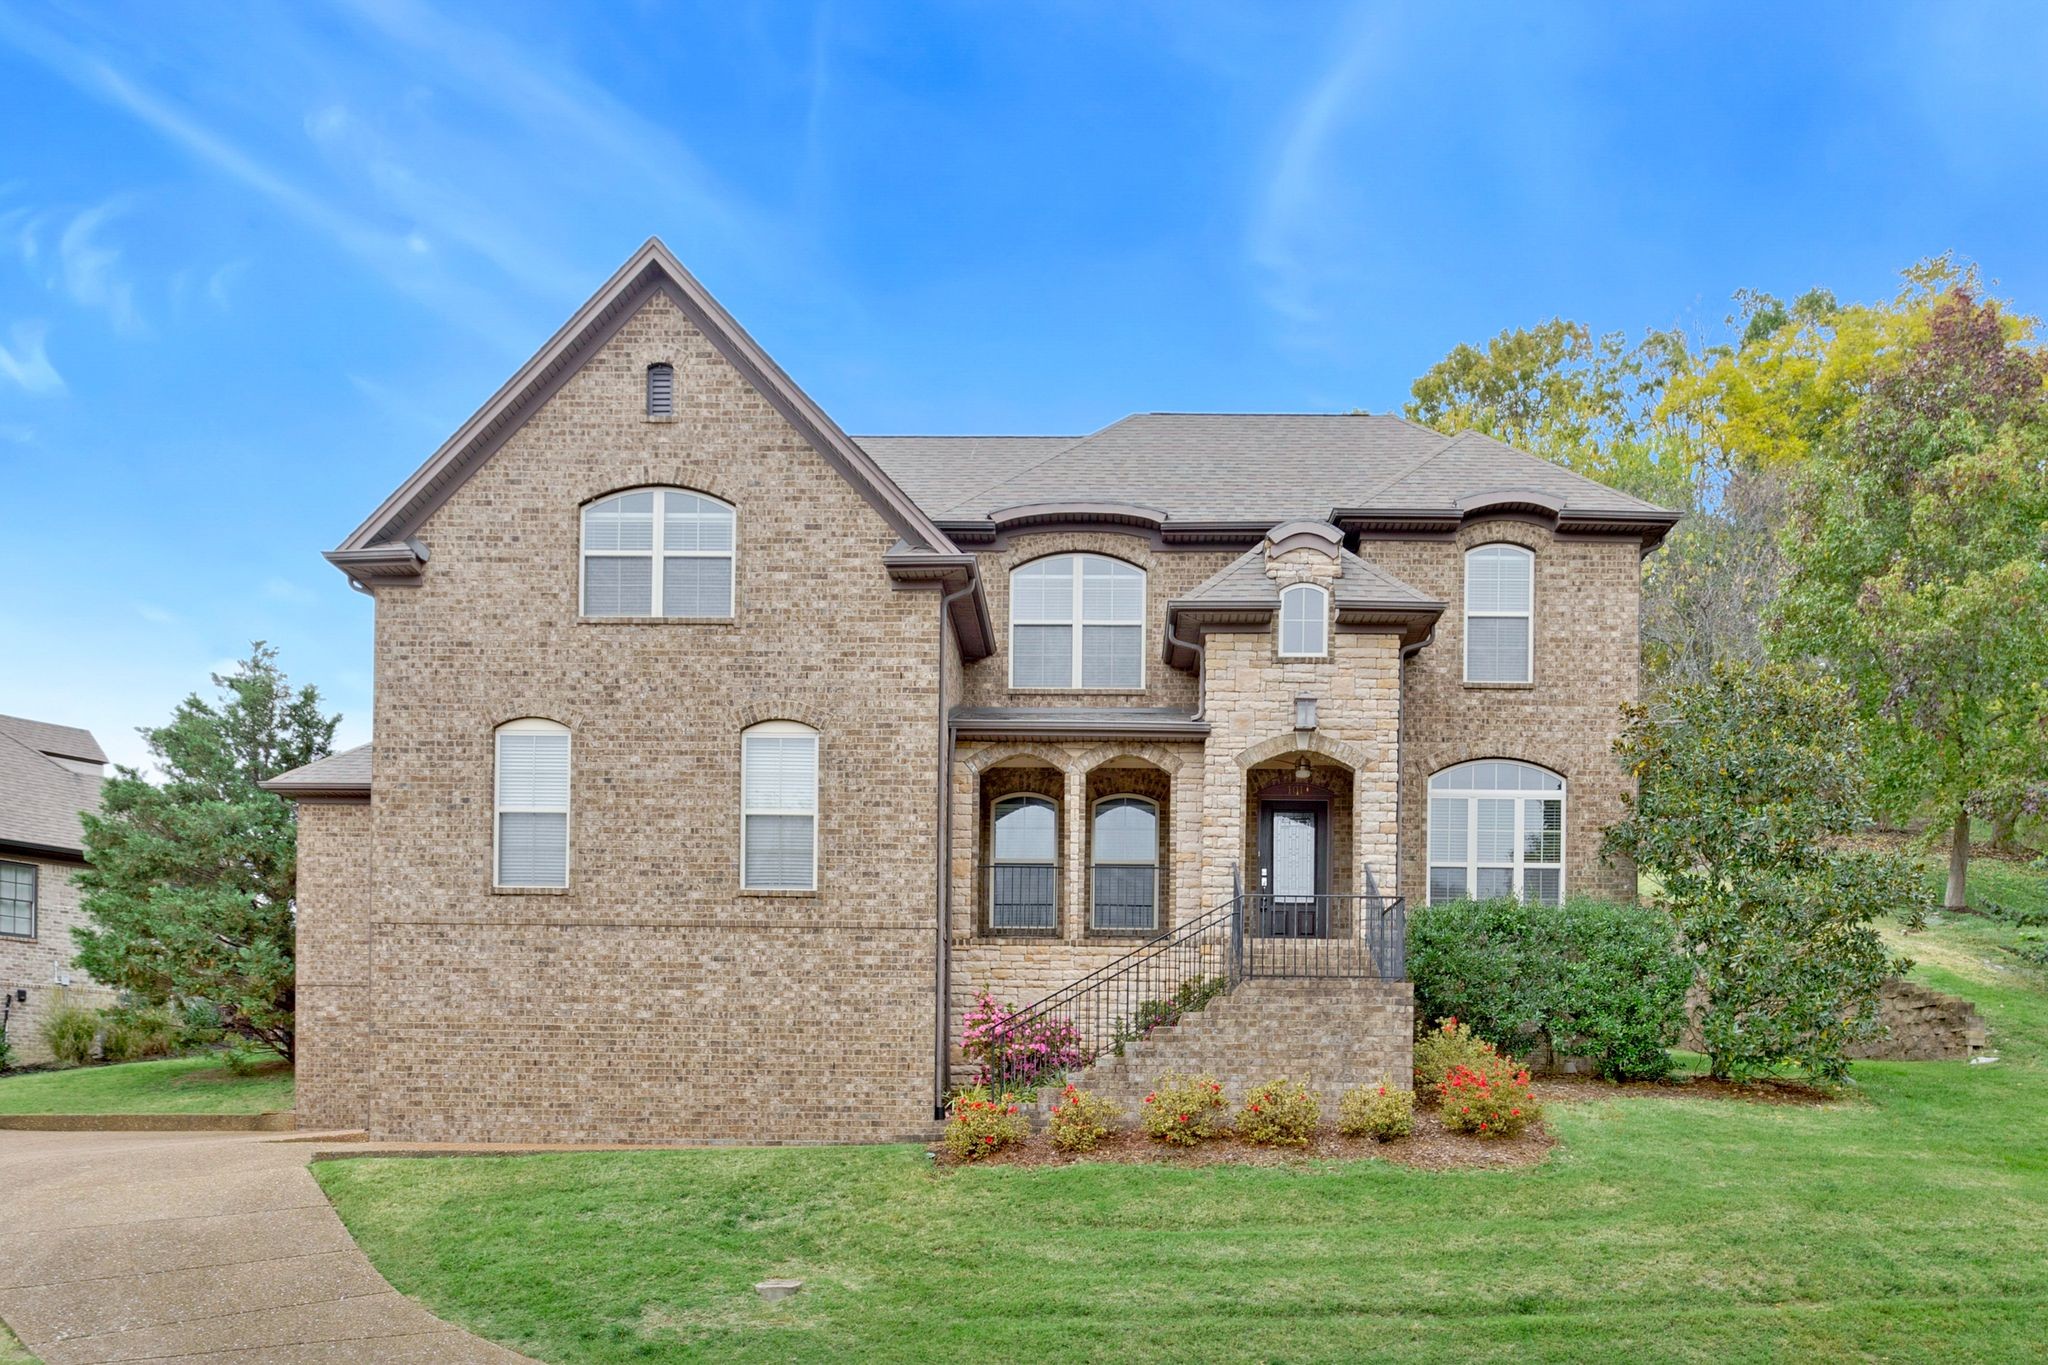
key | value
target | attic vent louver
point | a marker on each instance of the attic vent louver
(661, 390)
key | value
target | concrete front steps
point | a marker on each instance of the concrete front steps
(1329, 1033)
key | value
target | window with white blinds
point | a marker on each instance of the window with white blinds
(658, 552)
(1077, 621)
(1304, 622)
(779, 807)
(18, 900)
(1498, 591)
(661, 390)
(1496, 828)
(1126, 864)
(533, 804)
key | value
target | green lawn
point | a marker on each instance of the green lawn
(1909, 1222)
(12, 1352)
(179, 1085)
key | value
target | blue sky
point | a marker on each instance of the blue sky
(258, 259)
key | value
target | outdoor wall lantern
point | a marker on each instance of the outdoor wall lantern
(1304, 713)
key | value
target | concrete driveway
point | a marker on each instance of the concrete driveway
(194, 1247)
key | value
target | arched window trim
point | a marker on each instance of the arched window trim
(1318, 617)
(804, 802)
(1455, 794)
(1078, 621)
(1527, 613)
(661, 389)
(1025, 899)
(538, 802)
(658, 553)
(1097, 862)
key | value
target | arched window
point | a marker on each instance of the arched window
(1077, 621)
(1498, 590)
(532, 800)
(1126, 858)
(779, 807)
(1496, 828)
(657, 552)
(1023, 875)
(661, 390)
(1304, 622)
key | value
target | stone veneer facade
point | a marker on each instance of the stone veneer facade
(654, 999)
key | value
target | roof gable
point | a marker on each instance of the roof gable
(40, 798)
(382, 549)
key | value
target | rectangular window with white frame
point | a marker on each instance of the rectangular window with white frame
(17, 900)
(532, 798)
(779, 807)
(1499, 590)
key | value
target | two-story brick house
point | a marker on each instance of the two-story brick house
(721, 758)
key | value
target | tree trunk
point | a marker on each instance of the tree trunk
(1958, 897)
(2003, 828)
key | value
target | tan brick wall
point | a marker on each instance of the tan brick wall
(628, 1005)
(1168, 574)
(335, 1056)
(1585, 664)
(36, 964)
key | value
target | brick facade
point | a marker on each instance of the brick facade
(40, 965)
(654, 999)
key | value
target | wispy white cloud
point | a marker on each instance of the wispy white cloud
(285, 590)
(25, 361)
(17, 434)
(1291, 243)
(90, 271)
(157, 616)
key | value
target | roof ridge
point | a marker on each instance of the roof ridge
(1075, 444)
(1530, 455)
(1365, 499)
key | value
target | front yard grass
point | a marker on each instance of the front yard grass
(178, 1085)
(1909, 1221)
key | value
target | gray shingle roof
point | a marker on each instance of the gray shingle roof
(1231, 467)
(347, 771)
(40, 798)
(61, 741)
(1244, 579)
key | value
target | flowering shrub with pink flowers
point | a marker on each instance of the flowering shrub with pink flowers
(1492, 1099)
(1018, 1055)
(1183, 1110)
(1280, 1113)
(978, 1126)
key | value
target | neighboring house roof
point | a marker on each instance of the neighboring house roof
(1249, 471)
(58, 741)
(41, 797)
(346, 774)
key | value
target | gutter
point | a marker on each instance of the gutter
(942, 945)
(1408, 653)
(1199, 647)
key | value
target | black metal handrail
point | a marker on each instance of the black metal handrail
(1162, 981)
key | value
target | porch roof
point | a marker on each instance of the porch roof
(1085, 722)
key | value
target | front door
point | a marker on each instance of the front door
(1294, 869)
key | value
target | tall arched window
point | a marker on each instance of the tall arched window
(658, 552)
(1077, 621)
(532, 800)
(1496, 828)
(1498, 592)
(1126, 862)
(1304, 622)
(779, 807)
(1023, 875)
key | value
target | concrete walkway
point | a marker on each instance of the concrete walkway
(194, 1247)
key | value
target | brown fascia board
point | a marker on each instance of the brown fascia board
(1647, 525)
(948, 573)
(324, 794)
(985, 533)
(653, 267)
(1076, 513)
(50, 851)
(376, 566)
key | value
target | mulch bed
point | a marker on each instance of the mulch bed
(1431, 1147)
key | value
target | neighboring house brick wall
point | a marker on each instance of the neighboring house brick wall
(1585, 664)
(653, 998)
(36, 965)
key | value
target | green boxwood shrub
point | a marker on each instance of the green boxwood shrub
(1596, 979)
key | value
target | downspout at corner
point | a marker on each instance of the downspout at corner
(1408, 652)
(1200, 648)
(942, 965)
